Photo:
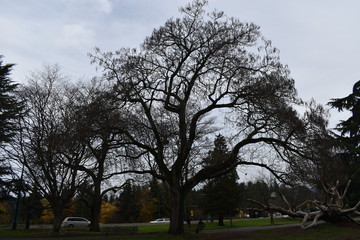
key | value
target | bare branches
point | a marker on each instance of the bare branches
(178, 81)
(331, 211)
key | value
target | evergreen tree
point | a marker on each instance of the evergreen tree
(350, 128)
(222, 194)
(10, 107)
(128, 204)
(32, 207)
(158, 194)
(349, 137)
(10, 111)
(260, 191)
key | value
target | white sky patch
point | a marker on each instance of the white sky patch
(105, 5)
(319, 40)
(102, 6)
(74, 35)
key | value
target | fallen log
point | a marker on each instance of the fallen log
(332, 210)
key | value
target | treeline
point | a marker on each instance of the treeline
(144, 203)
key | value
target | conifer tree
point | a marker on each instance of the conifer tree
(221, 193)
(10, 107)
(10, 111)
(349, 138)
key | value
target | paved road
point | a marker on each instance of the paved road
(205, 231)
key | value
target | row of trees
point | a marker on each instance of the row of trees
(142, 203)
(155, 111)
(64, 143)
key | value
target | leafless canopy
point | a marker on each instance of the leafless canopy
(195, 77)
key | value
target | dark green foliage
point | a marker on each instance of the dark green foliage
(350, 128)
(4, 183)
(10, 107)
(349, 137)
(83, 197)
(10, 110)
(352, 104)
(258, 190)
(296, 195)
(269, 193)
(221, 193)
(159, 192)
(128, 203)
(32, 207)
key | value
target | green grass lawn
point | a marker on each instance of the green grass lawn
(251, 222)
(324, 231)
(158, 232)
(228, 224)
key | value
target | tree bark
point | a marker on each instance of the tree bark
(177, 211)
(95, 210)
(58, 215)
(272, 222)
(221, 219)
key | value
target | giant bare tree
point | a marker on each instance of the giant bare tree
(195, 77)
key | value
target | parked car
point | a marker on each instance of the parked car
(161, 220)
(75, 222)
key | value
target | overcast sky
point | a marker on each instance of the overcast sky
(318, 39)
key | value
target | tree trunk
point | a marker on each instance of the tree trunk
(95, 210)
(95, 215)
(177, 211)
(272, 222)
(221, 219)
(58, 215)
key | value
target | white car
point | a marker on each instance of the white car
(75, 222)
(161, 220)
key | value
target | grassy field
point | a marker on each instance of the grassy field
(158, 232)
(323, 232)
(228, 224)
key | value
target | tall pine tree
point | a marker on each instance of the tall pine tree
(349, 137)
(128, 204)
(10, 111)
(222, 194)
(10, 107)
